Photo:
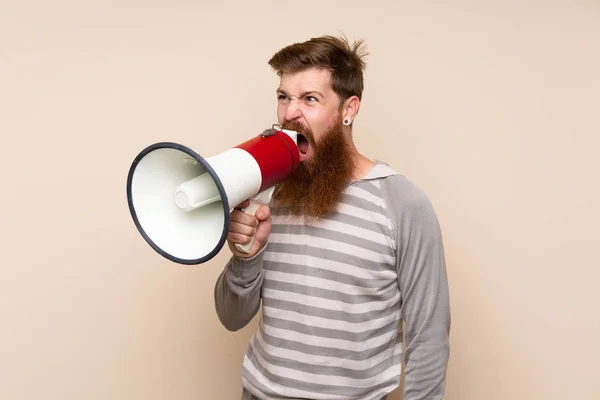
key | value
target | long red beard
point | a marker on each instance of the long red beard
(314, 190)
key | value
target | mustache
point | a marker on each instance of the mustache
(298, 127)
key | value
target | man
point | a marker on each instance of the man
(347, 250)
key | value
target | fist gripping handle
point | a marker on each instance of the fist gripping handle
(255, 202)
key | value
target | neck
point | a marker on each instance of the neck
(362, 164)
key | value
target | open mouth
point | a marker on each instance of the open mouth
(303, 146)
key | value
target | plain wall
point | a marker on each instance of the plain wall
(491, 107)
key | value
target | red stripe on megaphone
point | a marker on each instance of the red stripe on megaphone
(276, 155)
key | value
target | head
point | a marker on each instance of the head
(319, 95)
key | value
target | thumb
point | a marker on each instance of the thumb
(263, 215)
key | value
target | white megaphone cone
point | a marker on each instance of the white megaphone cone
(181, 202)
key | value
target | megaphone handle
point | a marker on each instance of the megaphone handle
(255, 203)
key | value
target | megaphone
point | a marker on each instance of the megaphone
(181, 202)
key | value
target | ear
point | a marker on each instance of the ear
(350, 109)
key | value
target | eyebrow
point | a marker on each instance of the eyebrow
(306, 93)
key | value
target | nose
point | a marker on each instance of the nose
(292, 111)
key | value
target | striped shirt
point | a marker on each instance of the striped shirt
(332, 299)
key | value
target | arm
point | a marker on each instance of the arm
(238, 291)
(423, 282)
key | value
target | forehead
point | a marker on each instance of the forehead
(307, 80)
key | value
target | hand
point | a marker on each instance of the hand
(243, 226)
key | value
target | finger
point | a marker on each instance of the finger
(242, 218)
(238, 238)
(244, 229)
(244, 204)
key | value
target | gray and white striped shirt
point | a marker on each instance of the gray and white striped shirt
(334, 294)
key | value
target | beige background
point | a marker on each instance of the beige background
(490, 107)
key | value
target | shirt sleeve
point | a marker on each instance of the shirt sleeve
(237, 291)
(423, 283)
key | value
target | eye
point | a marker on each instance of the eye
(311, 99)
(281, 97)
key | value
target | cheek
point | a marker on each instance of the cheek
(319, 121)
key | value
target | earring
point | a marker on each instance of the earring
(346, 121)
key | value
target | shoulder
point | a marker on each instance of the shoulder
(407, 203)
(398, 190)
